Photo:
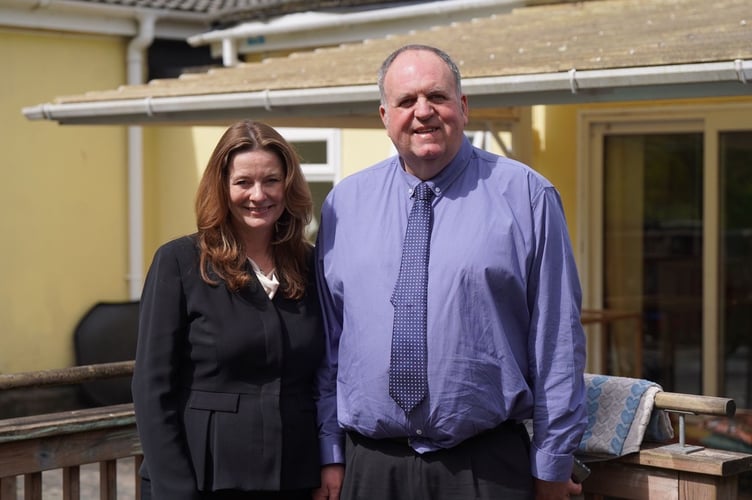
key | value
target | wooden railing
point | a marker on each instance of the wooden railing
(67, 440)
(676, 471)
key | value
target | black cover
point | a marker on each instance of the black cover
(107, 333)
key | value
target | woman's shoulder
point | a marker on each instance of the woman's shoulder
(182, 245)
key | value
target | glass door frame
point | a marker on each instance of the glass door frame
(593, 126)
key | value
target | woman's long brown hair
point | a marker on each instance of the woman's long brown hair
(221, 251)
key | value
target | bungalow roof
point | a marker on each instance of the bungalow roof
(607, 50)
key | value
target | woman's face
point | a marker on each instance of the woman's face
(257, 192)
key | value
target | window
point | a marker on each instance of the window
(319, 151)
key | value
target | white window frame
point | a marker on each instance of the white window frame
(331, 171)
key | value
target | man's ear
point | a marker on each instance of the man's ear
(383, 115)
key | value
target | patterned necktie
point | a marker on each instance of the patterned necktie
(408, 383)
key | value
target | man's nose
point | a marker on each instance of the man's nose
(423, 107)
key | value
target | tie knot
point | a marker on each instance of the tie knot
(423, 192)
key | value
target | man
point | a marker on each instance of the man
(501, 319)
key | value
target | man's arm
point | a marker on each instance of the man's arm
(331, 436)
(557, 347)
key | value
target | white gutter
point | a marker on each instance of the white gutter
(652, 82)
(136, 50)
(97, 18)
(297, 29)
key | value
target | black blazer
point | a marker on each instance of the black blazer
(223, 382)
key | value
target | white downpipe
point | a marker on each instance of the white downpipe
(135, 70)
(229, 52)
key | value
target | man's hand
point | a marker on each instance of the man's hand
(331, 482)
(548, 490)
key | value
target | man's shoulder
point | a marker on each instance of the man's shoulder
(376, 171)
(495, 159)
(373, 175)
(504, 167)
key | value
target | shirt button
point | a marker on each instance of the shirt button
(419, 432)
(437, 189)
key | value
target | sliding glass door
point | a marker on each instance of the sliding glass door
(668, 240)
(652, 244)
(735, 151)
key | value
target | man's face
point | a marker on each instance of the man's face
(423, 115)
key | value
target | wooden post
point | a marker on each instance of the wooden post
(8, 488)
(138, 460)
(108, 480)
(72, 483)
(33, 486)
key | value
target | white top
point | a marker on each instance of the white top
(268, 281)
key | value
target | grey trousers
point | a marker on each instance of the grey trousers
(494, 465)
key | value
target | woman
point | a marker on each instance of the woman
(230, 335)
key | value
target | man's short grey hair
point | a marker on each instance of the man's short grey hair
(406, 48)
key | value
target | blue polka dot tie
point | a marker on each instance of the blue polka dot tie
(408, 383)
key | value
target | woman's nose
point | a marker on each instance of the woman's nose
(257, 192)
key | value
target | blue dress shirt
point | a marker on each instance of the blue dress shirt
(505, 340)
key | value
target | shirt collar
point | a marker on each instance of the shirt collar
(441, 182)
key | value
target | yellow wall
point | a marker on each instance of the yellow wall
(63, 217)
(174, 160)
(555, 154)
(362, 148)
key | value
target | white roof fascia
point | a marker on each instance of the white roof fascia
(95, 18)
(587, 81)
(61, 21)
(623, 84)
(316, 29)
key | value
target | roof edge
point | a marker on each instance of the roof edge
(637, 83)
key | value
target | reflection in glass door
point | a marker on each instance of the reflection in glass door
(652, 255)
(735, 152)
